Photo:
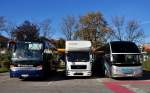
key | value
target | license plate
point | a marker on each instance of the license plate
(129, 75)
(78, 73)
(127, 71)
(25, 75)
(27, 68)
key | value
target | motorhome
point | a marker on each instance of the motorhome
(78, 58)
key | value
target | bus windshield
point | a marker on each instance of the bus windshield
(126, 59)
(30, 50)
(79, 56)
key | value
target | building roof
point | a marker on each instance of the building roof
(146, 47)
(3, 39)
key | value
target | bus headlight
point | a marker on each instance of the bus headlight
(138, 70)
(116, 70)
(39, 67)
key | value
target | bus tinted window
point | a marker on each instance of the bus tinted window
(124, 47)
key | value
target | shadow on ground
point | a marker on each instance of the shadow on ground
(60, 75)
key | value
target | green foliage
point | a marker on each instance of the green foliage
(4, 62)
(5, 57)
(4, 69)
(3, 44)
(146, 65)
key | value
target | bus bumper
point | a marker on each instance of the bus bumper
(78, 73)
(26, 74)
(128, 75)
(131, 71)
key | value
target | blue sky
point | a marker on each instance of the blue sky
(37, 10)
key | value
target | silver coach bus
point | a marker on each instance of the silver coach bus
(122, 59)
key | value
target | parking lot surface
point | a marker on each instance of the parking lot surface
(58, 83)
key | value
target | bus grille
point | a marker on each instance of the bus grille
(78, 67)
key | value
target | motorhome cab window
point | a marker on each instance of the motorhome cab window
(78, 56)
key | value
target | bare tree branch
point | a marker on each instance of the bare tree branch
(130, 31)
(46, 28)
(2, 23)
(118, 31)
(10, 27)
(68, 27)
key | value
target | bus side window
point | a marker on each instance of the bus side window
(107, 49)
(107, 52)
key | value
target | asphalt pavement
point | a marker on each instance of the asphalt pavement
(58, 83)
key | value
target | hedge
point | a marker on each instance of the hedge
(4, 62)
(146, 65)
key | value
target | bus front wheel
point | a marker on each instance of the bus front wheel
(107, 74)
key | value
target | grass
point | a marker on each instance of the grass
(4, 69)
(146, 65)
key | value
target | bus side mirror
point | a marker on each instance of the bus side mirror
(11, 47)
(91, 58)
(111, 58)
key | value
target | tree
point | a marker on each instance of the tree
(2, 23)
(128, 31)
(68, 27)
(27, 31)
(9, 28)
(60, 43)
(6, 26)
(93, 27)
(46, 29)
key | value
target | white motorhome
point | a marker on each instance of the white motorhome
(78, 58)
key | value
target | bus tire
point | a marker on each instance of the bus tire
(107, 75)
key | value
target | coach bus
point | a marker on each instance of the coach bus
(121, 59)
(31, 59)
